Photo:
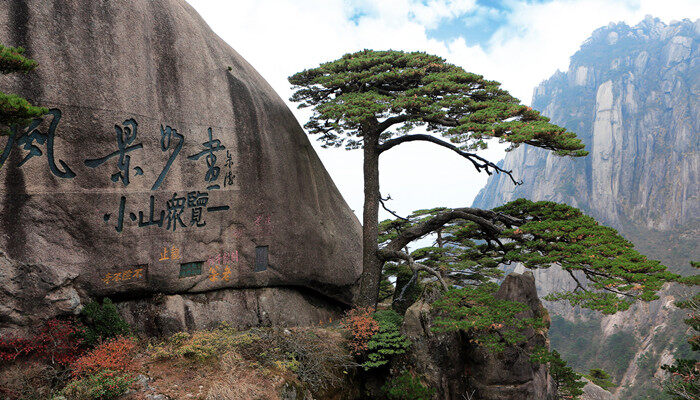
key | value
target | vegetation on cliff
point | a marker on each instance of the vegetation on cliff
(15, 110)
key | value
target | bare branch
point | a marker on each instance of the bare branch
(382, 200)
(578, 283)
(477, 161)
(422, 267)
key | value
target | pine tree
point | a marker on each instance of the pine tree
(15, 110)
(607, 273)
(373, 99)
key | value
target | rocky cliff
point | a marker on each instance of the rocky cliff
(168, 175)
(632, 95)
(459, 369)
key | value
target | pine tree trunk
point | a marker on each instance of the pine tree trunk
(371, 265)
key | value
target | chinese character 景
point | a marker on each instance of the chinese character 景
(125, 137)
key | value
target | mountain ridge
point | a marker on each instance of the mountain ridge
(631, 93)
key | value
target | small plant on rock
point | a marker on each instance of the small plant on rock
(14, 110)
(387, 342)
(361, 327)
(406, 387)
(601, 378)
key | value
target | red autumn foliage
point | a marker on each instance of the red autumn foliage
(361, 326)
(114, 355)
(58, 342)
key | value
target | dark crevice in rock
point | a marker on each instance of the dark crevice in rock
(15, 198)
(314, 297)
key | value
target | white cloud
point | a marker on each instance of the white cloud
(282, 37)
(431, 13)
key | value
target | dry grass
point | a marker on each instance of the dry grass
(218, 364)
(241, 380)
(317, 357)
(29, 380)
(258, 364)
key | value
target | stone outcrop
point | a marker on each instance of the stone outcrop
(458, 369)
(632, 95)
(166, 167)
(166, 314)
(594, 392)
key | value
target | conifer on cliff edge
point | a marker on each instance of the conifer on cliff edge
(15, 110)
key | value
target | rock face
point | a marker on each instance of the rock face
(166, 314)
(459, 369)
(634, 103)
(594, 392)
(632, 94)
(167, 166)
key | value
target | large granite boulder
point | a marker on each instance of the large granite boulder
(166, 167)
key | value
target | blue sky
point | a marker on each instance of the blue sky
(475, 25)
(478, 25)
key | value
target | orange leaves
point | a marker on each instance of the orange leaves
(58, 341)
(114, 355)
(361, 326)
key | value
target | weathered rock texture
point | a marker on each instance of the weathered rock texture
(458, 369)
(632, 94)
(594, 392)
(167, 166)
(167, 314)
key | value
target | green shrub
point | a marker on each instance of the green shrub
(386, 343)
(103, 321)
(492, 322)
(406, 387)
(600, 378)
(104, 385)
(569, 383)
